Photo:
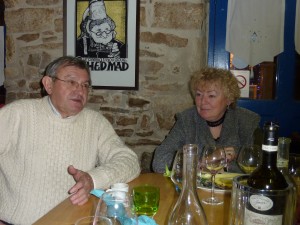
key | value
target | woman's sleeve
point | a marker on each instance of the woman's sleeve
(250, 130)
(165, 153)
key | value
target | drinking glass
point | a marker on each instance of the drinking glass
(118, 207)
(146, 199)
(249, 158)
(94, 220)
(213, 159)
(294, 171)
(294, 164)
(176, 173)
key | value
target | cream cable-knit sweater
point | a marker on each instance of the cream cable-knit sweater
(36, 147)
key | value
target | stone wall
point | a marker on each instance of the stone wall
(172, 44)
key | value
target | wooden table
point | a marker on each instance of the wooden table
(67, 214)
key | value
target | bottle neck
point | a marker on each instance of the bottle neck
(269, 159)
(189, 176)
(270, 146)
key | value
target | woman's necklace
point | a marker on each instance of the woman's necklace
(216, 123)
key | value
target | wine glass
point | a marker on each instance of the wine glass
(118, 207)
(94, 220)
(249, 158)
(176, 173)
(213, 159)
(294, 171)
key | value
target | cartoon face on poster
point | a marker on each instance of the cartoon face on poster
(101, 33)
(103, 38)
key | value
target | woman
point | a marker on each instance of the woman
(214, 120)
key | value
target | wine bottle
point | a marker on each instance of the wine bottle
(264, 207)
(188, 209)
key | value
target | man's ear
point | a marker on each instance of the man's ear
(48, 84)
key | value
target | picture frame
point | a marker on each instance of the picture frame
(104, 33)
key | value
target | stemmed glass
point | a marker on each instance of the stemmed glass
(176, 173)
(294, 171)
(118, 207)
(92, 220)
(213, 159)
(249, 158)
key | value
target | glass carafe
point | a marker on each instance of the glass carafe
(188, 210)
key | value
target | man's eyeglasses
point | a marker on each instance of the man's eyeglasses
(74, 84)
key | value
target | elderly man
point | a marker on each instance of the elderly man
(54, 147)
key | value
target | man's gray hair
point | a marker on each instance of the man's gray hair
(64, 61)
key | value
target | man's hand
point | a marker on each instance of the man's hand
(81, 190)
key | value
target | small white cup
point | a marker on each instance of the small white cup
(118, 190)
(119, 187)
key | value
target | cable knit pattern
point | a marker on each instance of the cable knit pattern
(37, 147)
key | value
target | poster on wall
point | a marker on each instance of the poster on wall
(104, 33)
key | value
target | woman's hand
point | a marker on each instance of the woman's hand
(230, 153)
